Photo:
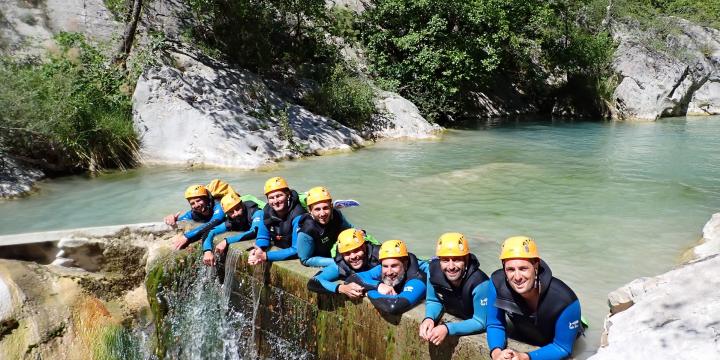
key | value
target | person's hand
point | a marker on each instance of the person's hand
(221, 246)
(179, 241)
(520, 356)
(172, 219)
(351, 290)
(209, 258)
(425, 327)
(386, 289)
(506, 354)
(438, 334)
(257, 256)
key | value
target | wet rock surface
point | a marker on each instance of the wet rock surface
(16, 179)
(680, 76)
(673, 315)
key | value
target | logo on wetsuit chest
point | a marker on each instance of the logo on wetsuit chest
(574, 324)
(483, 302)
(324, 240)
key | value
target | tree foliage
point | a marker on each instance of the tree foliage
(436, 52)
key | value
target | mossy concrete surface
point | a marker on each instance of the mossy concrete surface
(329, 326)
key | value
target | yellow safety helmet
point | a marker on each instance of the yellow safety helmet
(522, 247)
(275, 183)
(219, 188)
(229, 201)
(393, 249)
(452, 244)
(194, 191)
(350, 239)
(317, 194)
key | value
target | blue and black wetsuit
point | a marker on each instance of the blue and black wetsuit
(276, 230)
(324, 281)
(314, 241)
(468, 302)
(216, 217)
(554, 326)
(410, 291)
(247, 224)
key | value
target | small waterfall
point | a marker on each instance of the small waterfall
(206, 320)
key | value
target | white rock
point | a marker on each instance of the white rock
(677, 318)
(682, 80)
(710, 244)
(211, 114)
(402, 118)
(673, 315)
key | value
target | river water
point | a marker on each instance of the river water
(607, 202)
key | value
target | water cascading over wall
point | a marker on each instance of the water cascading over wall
(267, 312)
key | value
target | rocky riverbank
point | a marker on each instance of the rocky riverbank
(673, 315)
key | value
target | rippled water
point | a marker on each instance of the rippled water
(607, 202)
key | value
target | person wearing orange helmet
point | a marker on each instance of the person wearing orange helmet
(542, 310)
(240, 216)
(282, 208)
(456, 285)
(398, 283)
(354, 254)
(203, 209)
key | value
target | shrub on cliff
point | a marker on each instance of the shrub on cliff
(69, 113)
(345, 98)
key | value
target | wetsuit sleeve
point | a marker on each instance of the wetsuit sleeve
(250, 233)
(433, 306)
(412, 294)
(566, 330)
(369, 279)
(495, 322)
(305, 250)
(324, 281)
(186, 216)
(284, 254)
(477, 322)
(208, 242)
(217, 217)
(263, 234)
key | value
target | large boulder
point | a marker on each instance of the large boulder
(678, 77)
(400, 118)
(673, 315)
(203, 112)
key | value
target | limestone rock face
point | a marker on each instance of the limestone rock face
(202, 112)
(16, 179)
(29, 25)
(682, 79)
(673, 315)
(400, 118)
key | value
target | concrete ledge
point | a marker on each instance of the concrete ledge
(89, 232)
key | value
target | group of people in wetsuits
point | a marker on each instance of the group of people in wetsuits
(521, 300)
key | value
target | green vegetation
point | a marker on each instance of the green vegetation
(437, 52)
(117, 7)
(649, 12)
(347, 99)
(69, 113)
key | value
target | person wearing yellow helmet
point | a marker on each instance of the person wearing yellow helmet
(243, 215)
(398, 283)
(542, 310)
(315, 233)
(203, 209)
(354, 254)
(282, 208)
(456, 285)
